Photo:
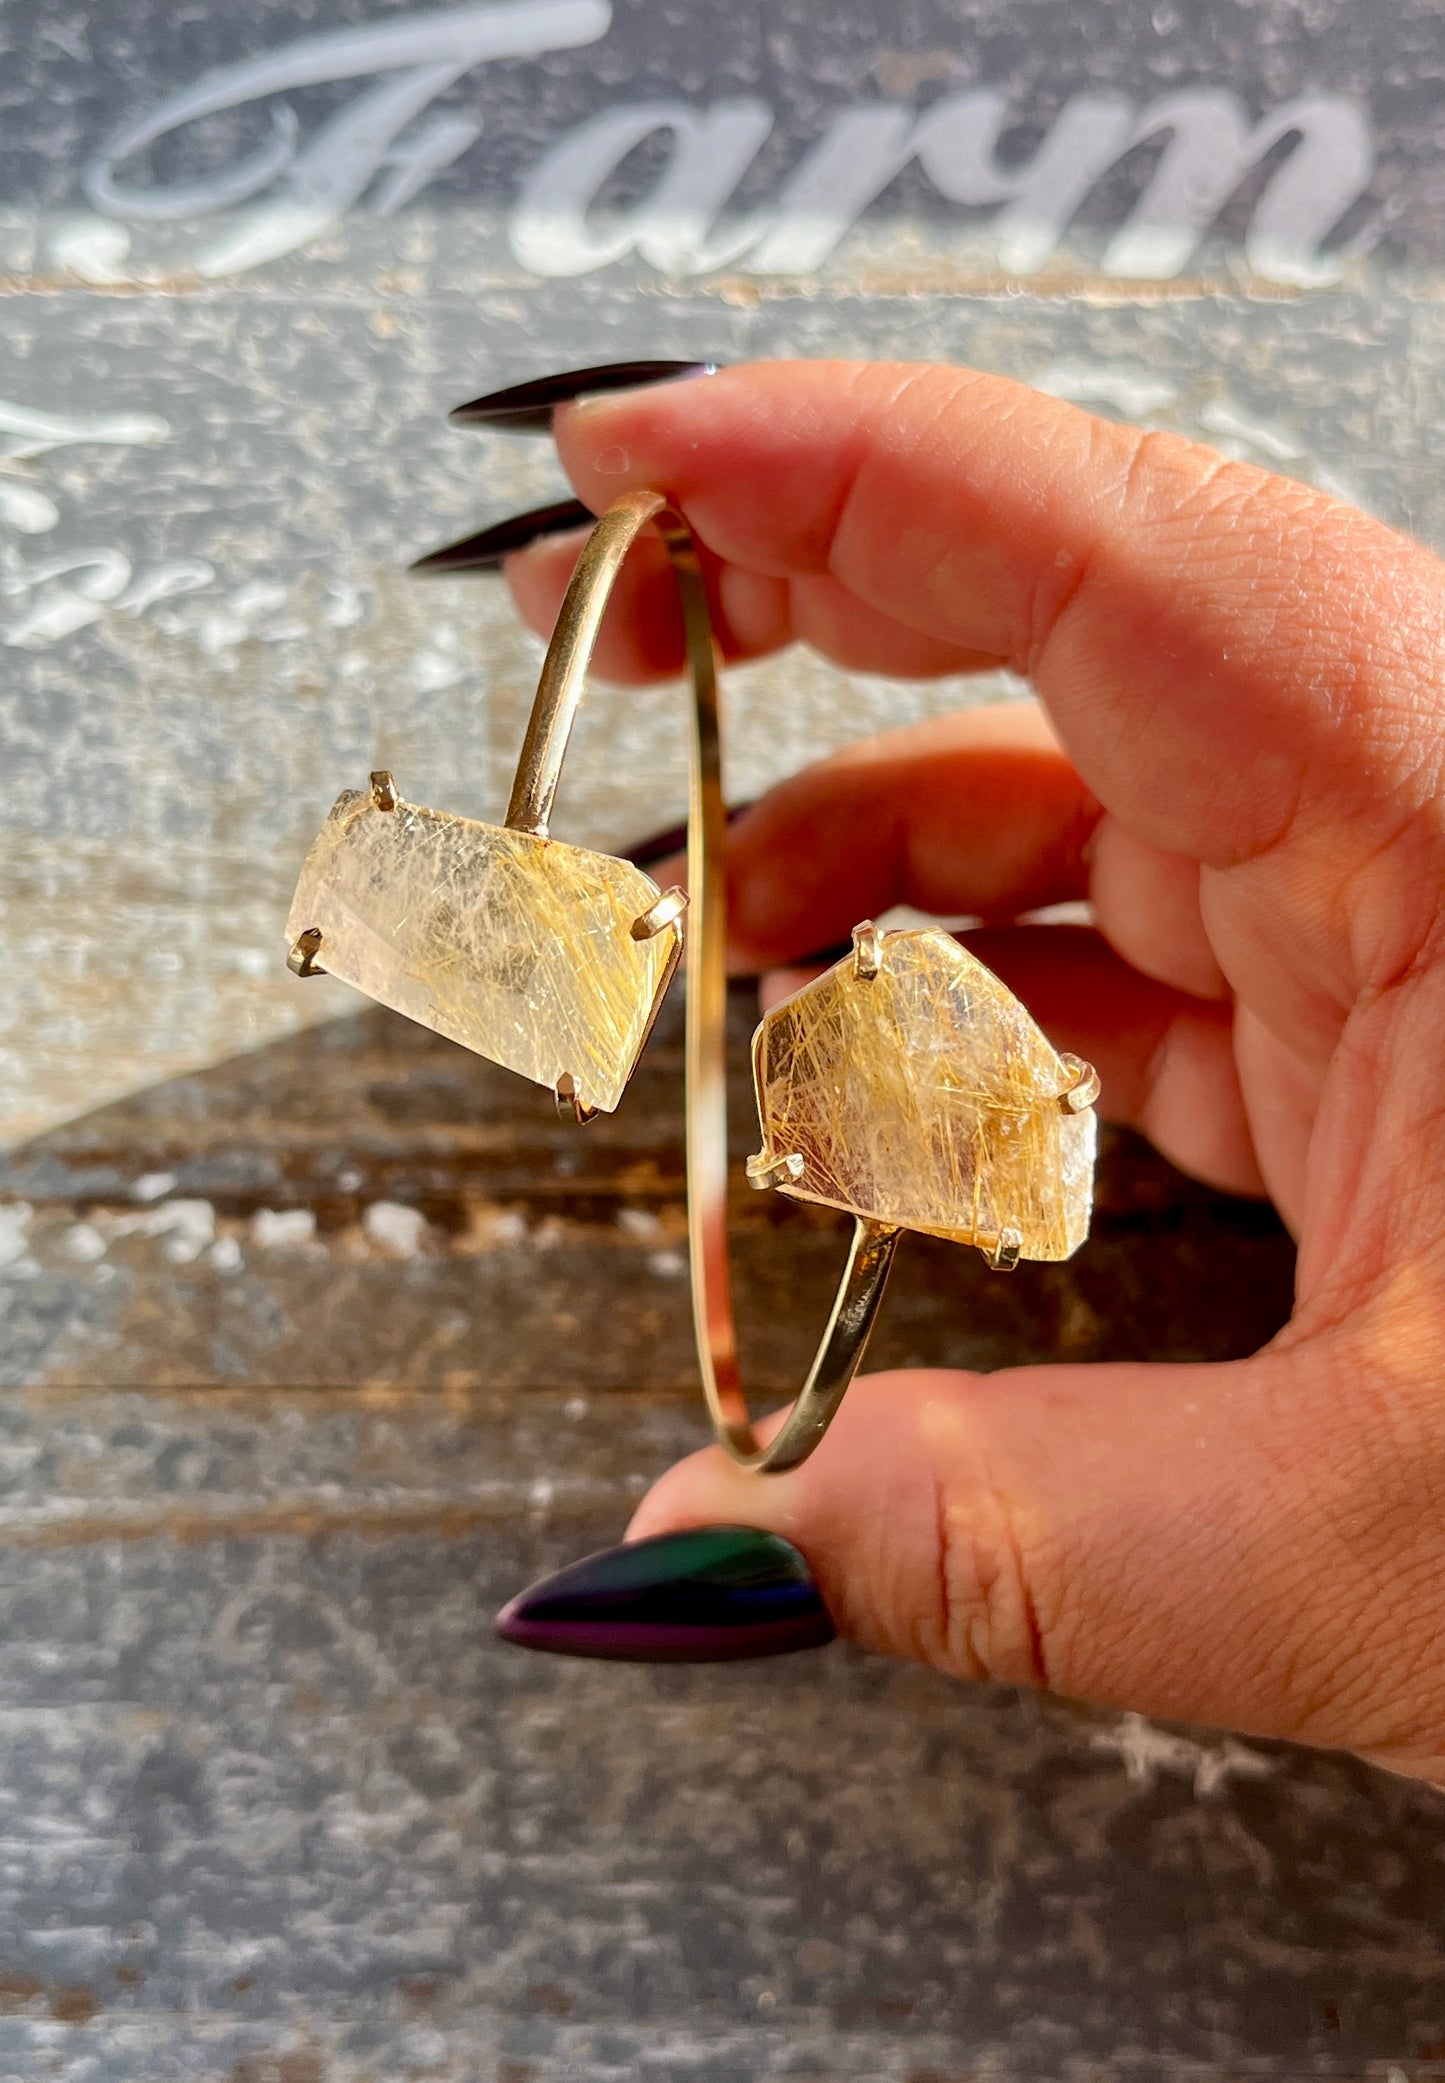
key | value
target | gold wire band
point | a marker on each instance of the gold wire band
(558, 693)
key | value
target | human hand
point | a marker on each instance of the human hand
(1238, 760)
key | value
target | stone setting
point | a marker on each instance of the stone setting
(920, 1092)
(518, 947)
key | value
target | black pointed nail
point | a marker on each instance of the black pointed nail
(486, 550)
(527, 408)
(712, 1594)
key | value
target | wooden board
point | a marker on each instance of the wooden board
(391, 1342)
(320, 1338)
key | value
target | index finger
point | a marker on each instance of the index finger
(1216, 646)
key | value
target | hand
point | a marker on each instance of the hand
(1238, 760)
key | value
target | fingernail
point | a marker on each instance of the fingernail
(527, 408)
(485, 551)
(712, 1594)
(642, 852)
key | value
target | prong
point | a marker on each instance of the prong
(302, 959)
(1003, 1256)
(383, 789)
(867, 951)
(668, 909)
(1085, 1087)
(766, 1172)
(570, 1103)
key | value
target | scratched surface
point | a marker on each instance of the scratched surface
(380, 1340)
(319, 1337)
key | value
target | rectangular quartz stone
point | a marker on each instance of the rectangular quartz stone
(518, 947)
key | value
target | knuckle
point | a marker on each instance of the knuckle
(994, 1589)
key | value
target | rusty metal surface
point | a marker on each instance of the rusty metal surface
(318, 1337)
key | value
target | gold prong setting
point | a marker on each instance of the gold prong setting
(765, 1172)
(1002, 1256)
(1084, 1089)
(867, 951)
(668, 909)
(570, 1103)
(304, 949)
(529, 951)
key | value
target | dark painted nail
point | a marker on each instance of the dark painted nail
(527, 408)
(643, 852)
(713, 1594)
(485, 551)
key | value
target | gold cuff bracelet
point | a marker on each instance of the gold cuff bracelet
(905, 1086)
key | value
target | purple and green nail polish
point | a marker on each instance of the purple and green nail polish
(710, 1594)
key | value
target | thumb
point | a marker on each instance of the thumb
(1159, 1538)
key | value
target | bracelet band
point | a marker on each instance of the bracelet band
(905, 1086)
(559, 692)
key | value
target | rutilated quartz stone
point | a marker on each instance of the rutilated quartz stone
(925, 1096)
(518, 947)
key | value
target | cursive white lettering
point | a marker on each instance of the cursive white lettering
(383, 148)
(957, 147)
(1210, 149)
(426, 52)
(551, 231)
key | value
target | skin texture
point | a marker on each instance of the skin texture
(1237, 757)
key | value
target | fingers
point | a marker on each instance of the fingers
(1016, 1527)
(1223, 652)
(1146, 901)
(980, 814)
(977, 814)
(753, 613)
(1166, 1061)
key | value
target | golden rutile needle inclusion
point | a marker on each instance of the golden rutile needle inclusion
(518, 947)
(924, 1095)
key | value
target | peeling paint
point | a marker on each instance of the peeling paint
(187, 1226)
(275, 1228)
(14, 1223)
(399, 1228)
(1146, 1750)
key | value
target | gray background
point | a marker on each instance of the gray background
(273, 1808)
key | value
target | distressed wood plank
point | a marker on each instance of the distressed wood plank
(327, 1821)
(438, 1226)
(321, 1811)
(318, 1350)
